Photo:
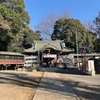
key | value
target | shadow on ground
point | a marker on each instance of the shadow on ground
(62, 71)
(86, 91)
(67, 86)
(19, 79)
(70, 87)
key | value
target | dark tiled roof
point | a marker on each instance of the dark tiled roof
(42, 45)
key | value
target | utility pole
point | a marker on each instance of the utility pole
(77, 47)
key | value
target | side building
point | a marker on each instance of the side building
(11, 60)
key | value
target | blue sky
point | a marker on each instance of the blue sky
(83, 10)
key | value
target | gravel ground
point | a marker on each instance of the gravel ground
(18, 85)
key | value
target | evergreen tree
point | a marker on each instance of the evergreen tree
(97, 31)
(73, 33)
(13, 21)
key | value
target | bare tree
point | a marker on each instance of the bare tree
(66, 14)
(46, 24)
(89, 26)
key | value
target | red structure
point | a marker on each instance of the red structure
(11, 58)
(10, 61)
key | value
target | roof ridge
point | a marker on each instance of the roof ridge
(48, 46)
(53, 46)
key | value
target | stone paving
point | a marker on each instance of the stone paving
(52, 87)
